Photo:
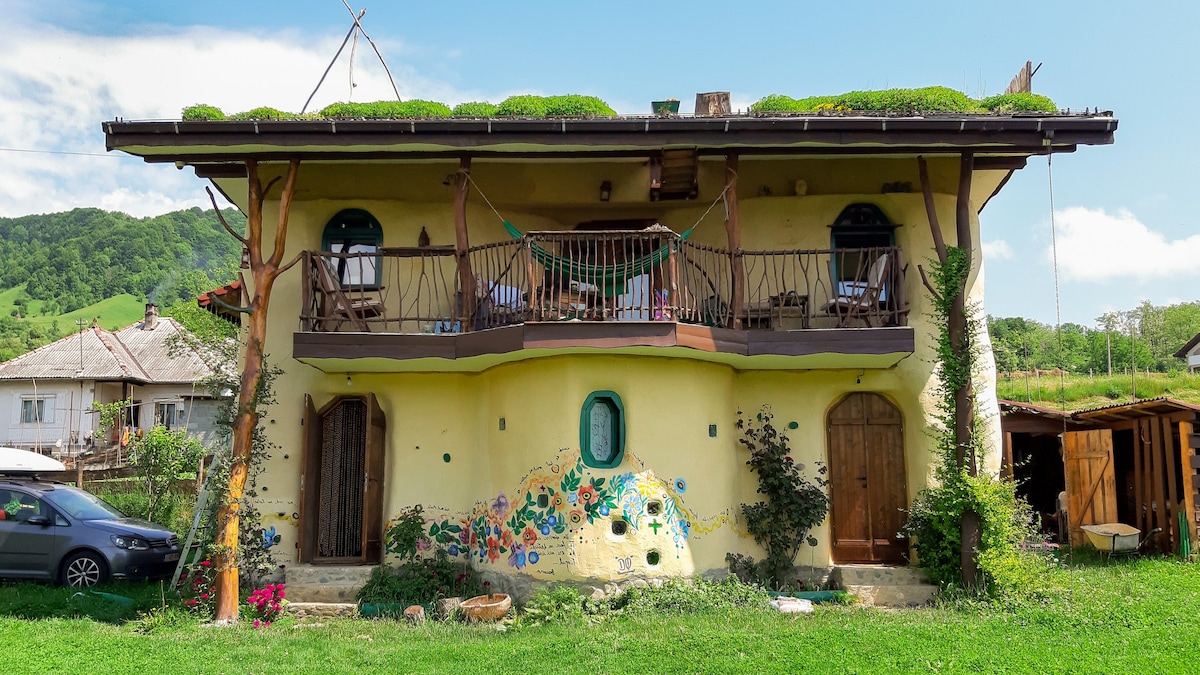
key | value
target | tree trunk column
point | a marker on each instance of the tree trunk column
(733, 230)
(466, 280)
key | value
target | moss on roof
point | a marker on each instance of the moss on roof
(911, 101)
(923, 100)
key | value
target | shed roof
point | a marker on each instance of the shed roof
(1113, 413)
(1191, 344)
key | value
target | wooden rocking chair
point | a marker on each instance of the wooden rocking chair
(859, 300)
(335, 307)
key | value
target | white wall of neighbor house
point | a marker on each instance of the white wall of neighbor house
(63, 407)
(1193, 360)
(67, 413)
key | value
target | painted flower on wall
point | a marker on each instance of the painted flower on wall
(516, 557)
(587, 493)
(493, 549)
(529, 537)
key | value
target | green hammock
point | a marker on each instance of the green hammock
(611, 277)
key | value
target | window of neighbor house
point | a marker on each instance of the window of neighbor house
(34, 409)
(354, 231)
(602, 430)
(168, 415)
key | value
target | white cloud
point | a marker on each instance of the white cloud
(56, 87)
(997, 250)
(1096, 246)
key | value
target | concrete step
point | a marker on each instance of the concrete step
(885, 585)
(325, 583)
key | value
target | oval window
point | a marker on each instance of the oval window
(602, 430)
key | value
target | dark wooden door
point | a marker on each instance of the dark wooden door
(867, 485)
(342, 481)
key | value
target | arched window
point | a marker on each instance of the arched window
(859, 236)
(602, 430)
(354, 231)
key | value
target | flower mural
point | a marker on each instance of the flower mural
(561, 499)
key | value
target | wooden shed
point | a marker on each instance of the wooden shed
(1134, 463)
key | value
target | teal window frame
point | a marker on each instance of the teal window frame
(859, 225)
(613, 401)
(354, 227)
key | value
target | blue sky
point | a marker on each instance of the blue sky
(1127, 226)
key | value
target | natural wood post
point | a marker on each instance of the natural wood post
(466, 280)
(1186, 455)
(733, 231)
(713, 103)
(960, 345)
(79, 472)
(264, 271)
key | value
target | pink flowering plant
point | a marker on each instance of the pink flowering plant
(265, 605)
(196, 588)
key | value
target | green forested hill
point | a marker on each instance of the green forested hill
(57, 266)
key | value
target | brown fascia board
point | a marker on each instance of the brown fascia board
(200, 141)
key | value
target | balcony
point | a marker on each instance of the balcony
(616, 291)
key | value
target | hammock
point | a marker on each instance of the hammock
(611, 277)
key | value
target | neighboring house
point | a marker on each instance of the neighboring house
(1191, 354)
(556, 372)
(46, 395)
(1133, 463)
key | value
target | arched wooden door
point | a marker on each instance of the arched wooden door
(867, 483)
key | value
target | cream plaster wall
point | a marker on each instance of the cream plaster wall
(669, 403)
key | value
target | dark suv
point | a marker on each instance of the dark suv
(55, 532)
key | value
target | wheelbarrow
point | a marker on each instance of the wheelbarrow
(1117, 538)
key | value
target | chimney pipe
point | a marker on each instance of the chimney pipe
(151, 316)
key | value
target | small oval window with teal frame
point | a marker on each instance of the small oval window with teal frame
(354, 231)
(602, 430)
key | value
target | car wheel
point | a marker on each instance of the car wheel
(84, 569)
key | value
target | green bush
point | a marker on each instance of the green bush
(474, 109)
(1018, 102)
(554, 604)
(414, 109)
(791, 507)
(920, 100)
(574, 105)
(522, 106)
(420, 581)
(683, 596)
(262, 114)
(201, 111)
(173, 511)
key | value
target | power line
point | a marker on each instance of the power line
(65, 152)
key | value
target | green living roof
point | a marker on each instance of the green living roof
(890, 101)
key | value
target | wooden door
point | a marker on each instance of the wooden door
(342, 481)
(1091, 482)
(867, 485)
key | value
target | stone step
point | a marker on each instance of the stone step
(878, 575)
(325, 583)
(309, 610)
(902, 595)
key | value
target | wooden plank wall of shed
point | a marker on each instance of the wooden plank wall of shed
(1157, 474)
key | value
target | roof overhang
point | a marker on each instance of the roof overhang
(214, 142)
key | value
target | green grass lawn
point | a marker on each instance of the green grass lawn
(1080, 392)
(115, 312)
(1138, 616)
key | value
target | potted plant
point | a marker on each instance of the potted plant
(664, 108)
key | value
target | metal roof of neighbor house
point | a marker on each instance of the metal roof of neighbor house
(128, 355)
(1183, 351)
(235, 140)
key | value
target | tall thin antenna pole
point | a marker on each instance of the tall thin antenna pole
(335, 58)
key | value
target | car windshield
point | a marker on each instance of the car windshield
(85, 506)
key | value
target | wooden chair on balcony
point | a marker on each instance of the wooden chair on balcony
(860, 299)
(335, 308)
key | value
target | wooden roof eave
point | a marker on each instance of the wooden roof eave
(195, 141)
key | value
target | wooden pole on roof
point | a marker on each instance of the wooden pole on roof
(733, 231)
(462, 244)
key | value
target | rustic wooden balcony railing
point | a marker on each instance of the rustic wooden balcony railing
(649, 275)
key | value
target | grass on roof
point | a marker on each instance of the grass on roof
(922, 100)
